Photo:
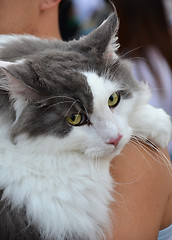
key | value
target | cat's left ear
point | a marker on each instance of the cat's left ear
(103, 40)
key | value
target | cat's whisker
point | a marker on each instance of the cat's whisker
(54, 97)
(157, 89)
(141, 142)
(149, 150)
(113, 65)
(128, 52)
(119, 66)
(145, 140)
(158, 152)
(86, 110)
(54, 104)
(71, 107)
(123, 56)
(148, 146)
(139, 151)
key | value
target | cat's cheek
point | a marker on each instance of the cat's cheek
(101, 149)
(85, 140)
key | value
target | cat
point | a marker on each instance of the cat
(66, 109)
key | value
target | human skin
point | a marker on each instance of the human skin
(143, 196)
(143, 193)
(36, 17)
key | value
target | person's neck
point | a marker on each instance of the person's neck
(48, 26)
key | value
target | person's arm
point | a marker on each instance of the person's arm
(142, 193)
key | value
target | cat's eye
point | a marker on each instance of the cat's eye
(77, 119)
(114, 99)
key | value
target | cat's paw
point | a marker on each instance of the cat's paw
(152, 124)
(161, 131)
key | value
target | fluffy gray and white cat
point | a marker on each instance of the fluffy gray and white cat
(66, 109)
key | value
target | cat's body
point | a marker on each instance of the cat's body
(54, 176)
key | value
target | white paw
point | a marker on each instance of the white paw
(161, 131)
(152, 124)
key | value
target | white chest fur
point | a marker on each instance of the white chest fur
(62, 193)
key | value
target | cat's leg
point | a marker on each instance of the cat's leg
(152, 124)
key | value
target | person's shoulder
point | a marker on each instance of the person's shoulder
(143, 186)
(142, 159)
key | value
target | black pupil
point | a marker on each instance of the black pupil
(73, 118)
(111, 98)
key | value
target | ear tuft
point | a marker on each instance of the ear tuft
(4, 64)
(104, 39)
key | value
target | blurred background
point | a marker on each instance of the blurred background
(79, 17)
(145, 37)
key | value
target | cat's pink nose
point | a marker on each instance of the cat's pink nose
(115, 141)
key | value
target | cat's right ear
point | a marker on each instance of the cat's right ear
(17, 89)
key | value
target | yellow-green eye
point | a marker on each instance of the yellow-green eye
(77, 119)
(114, 99)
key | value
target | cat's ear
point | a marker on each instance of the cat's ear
(104, 39)
(10, 83)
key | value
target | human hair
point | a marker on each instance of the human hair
(143, 24)
(67, 23)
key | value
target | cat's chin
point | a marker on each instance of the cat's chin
(116, 150)
(106, 153)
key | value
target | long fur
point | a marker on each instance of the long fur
(54, 177)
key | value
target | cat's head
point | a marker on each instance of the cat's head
(80, 95)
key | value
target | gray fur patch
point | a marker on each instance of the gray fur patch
(14, 224)
(50, 85)
(52, 79)
(61, 90)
